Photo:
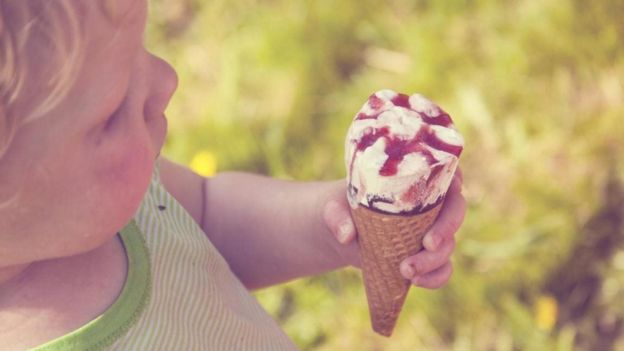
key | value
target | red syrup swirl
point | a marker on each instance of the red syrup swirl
(432, 140)
(396, 148)
(368, 139)
(402, 100)
(363, 115)
(371, 137)
(443, 119)
(375, 103)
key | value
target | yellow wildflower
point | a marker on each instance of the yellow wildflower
(546, 310)
(204, 163)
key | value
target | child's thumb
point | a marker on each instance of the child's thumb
(338, 219)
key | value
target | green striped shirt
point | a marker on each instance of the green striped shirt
(179, 292)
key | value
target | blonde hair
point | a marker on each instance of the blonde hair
(43, 30)
(41, 53)
(31, 30)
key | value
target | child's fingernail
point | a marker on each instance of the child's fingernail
(431, 241)
(344, 232)
(408, 271)
(416, 280)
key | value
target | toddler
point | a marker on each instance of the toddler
(102, 242)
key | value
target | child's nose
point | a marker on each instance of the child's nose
(162, 85)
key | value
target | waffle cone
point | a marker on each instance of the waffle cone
(385, 240)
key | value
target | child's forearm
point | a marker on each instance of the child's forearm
(270, 230)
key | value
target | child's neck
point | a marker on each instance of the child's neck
(50, 298)
(11, 272)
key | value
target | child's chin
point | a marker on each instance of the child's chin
(123, 198)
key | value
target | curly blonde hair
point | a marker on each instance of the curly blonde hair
(40, 53)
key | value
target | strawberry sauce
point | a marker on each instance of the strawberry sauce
(393, 126)
(396, 149)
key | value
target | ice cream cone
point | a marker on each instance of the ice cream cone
(385, 240)
(401, 152)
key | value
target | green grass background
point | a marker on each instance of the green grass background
(537, 89)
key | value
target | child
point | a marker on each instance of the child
(102, 244)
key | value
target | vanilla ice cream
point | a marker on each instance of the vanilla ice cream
(401, 153)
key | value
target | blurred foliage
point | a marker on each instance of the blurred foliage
(537, 89)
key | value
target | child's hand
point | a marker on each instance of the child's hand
(430, 268)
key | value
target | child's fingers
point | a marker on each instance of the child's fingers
(435, 279)
(449, 220)
(427, 261)
(459, 175)
(338, 219)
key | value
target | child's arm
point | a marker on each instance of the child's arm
(270, 230)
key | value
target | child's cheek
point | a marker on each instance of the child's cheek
(125, 179)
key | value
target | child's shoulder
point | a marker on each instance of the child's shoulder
(185, 186)
(55, 297)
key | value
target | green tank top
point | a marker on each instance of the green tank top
(179, 292)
